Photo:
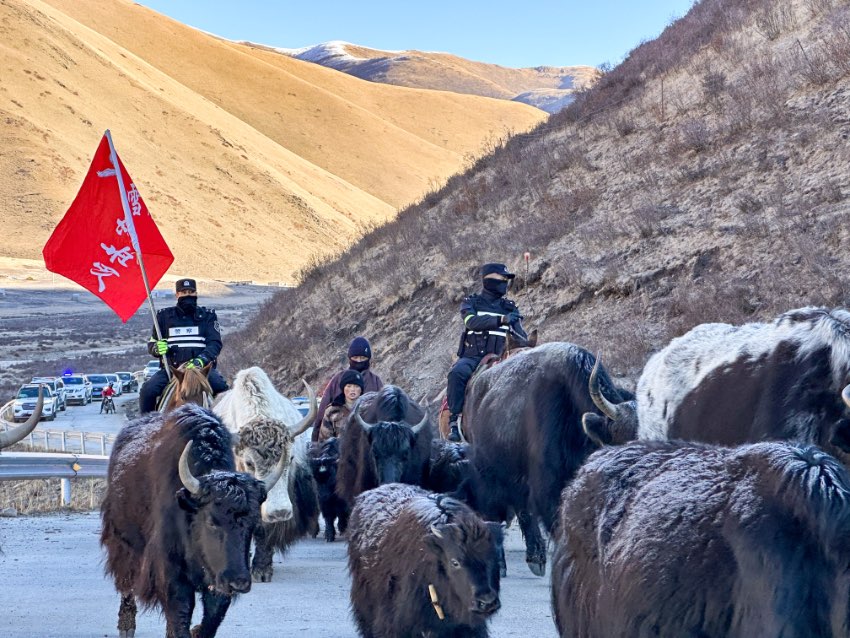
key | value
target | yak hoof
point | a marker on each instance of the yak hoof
(262, 575)
(503, 571)
(330, 534)
(127, 633)
(538, 568)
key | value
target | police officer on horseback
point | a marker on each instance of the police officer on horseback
(488, 318)
(191, 336)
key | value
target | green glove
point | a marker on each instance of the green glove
(194, 363)
(161, 347)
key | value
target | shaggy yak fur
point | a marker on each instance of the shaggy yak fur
(728, 385)
(390, 451)
(324, 459)
(268, 426)
(403, 539)
(523, 420)
(165, 543)
(675, 539)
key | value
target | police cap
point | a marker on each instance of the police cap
(496, 269)
(186, 284)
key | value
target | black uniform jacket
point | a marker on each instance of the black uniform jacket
(483, 330)
(188, 336)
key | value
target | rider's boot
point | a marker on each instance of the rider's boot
(454, 432)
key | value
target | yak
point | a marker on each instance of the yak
(421, 564)
(380, 446)
(270, 441)
(324, 459)
(523, 421)
(177, 520)
(728, 385)
(661, 538)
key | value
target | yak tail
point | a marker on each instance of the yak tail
(813, 485)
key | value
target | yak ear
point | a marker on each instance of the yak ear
(597, 428)
(840, 436)
(186, 501)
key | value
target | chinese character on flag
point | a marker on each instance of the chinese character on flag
(95, 243)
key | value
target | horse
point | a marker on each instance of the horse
(187, 385)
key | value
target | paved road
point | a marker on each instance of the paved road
(52, 584)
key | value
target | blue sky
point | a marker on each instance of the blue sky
(509, 32)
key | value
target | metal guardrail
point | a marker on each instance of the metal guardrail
(24, 466)
(70, 441)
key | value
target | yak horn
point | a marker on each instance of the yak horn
(607, 408)
(192, 484)
(416, 428)
(363, 424)
(18, 432)
(307, 421)
(845, 396)
(273, 477)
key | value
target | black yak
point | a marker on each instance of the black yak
(675, 539)
(387, 440)
(421, 564)
(324, 459)
(177, 519)
(523, 421)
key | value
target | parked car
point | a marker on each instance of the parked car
(77, 389)
(128, 382)
(57, 388)
(98, 383)
(151, 368)
(117, 385)
(26, 399)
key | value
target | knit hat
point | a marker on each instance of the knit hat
(359, 348)
(351, 377)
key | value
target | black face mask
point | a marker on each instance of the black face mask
(360, 366)
(496, 286)
(187, 305)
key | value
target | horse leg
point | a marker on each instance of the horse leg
(261, 567)
(535, 545)
(127, 616)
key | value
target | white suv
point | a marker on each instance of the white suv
(77, 389)
(27, 397)
(57, 388)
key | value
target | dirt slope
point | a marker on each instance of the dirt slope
(250, 164)
(703, 179)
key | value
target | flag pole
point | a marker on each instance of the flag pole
(134, 238)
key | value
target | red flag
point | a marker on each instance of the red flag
(93, 244)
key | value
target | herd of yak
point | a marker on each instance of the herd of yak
(714, 501)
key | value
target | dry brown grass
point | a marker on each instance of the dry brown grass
(720, 198)
(43, 496)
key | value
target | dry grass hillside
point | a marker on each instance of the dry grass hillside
(703, 179)
(546, 87)
(251, 162)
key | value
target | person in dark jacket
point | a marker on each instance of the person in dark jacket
(488, 317)
(191, 336)
(359, 359)
(336, 416)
